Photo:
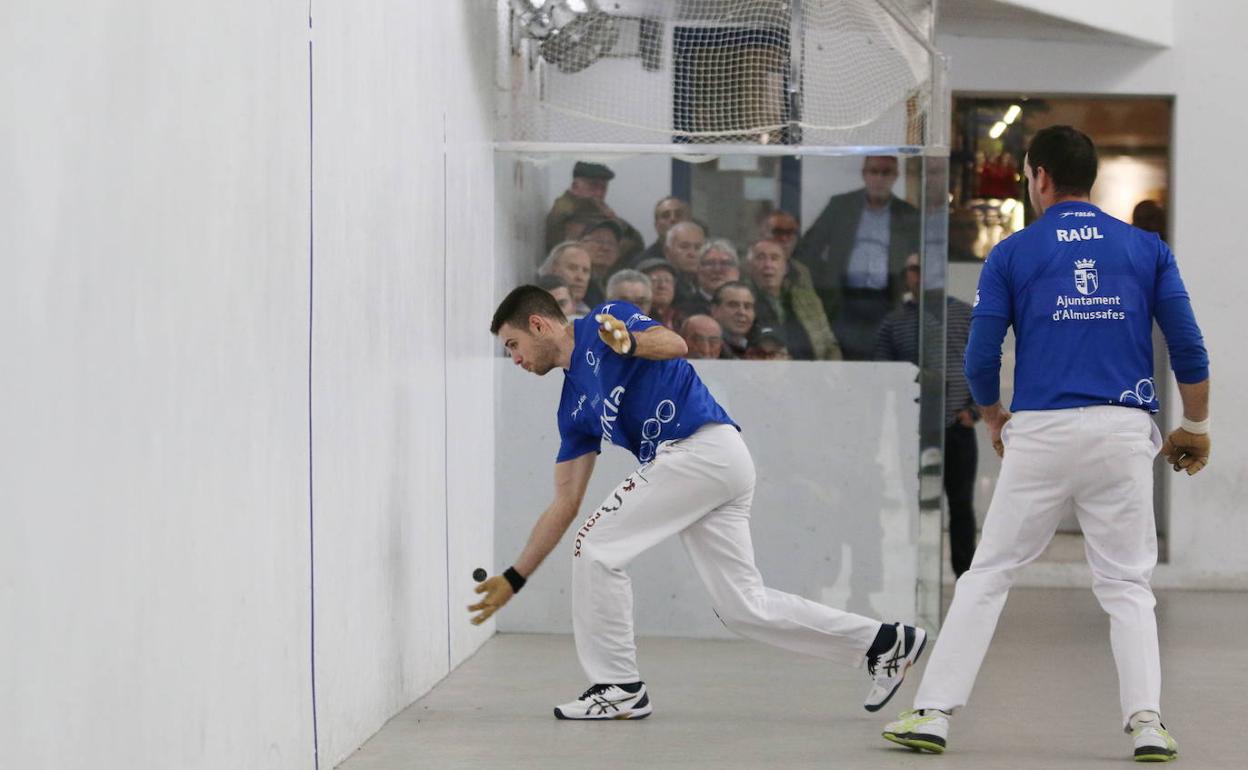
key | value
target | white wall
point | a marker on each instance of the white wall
(1205, 71)
(835, 515)
(161, 237)
(153, 320)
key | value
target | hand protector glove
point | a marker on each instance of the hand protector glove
(497, 593)
(612, 331)
(1187, 451)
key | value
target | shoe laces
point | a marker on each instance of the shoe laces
(596, 689)
(892, 659)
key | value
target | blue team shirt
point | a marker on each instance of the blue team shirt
(632, 402)
(1080, 287)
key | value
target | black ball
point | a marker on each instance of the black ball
(479, 574)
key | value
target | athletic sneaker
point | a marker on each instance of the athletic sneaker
(1152, 742)
(922, 730)
(607, 701)
(888, 668)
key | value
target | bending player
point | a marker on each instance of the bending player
(1081, 290)
(625, 380)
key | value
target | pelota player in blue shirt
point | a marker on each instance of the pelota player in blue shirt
(1081, 290)
(625, 381)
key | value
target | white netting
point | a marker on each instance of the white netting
(761, 72)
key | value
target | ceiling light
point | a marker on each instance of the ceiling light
(997, 130)
(1012, 114)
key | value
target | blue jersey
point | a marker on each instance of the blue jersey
(633, 402)
(1080, 289)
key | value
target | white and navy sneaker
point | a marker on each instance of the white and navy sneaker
(1152, 741)
(608, 701)
(888, 668)
(921, 730)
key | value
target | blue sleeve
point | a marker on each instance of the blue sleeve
(983, 358)
(574, 439)
(634, 320)
(1173, 311)
(992, 297)
(1188, 357)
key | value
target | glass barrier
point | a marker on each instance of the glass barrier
(798, 284)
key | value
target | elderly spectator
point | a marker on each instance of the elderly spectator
(558, 289)
(631, 286)
(585, 198)
(783, 228)
(667, 212)
(703, 336)
(856, 251)
(898, 340)
(571, 262)
(662, 292)
(733, 306)
(767, 345)
(717, 265)
(793, 309)
(682, 244)
(602, 240)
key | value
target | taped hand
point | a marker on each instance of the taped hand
(612, 331)
(497, 593)
(1186, 451)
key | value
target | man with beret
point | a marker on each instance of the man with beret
(586, 199)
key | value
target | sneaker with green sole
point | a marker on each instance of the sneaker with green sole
(922, 730)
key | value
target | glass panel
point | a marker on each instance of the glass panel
(840, 514)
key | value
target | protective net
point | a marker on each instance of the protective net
(829, 73)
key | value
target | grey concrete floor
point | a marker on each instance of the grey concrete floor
(1046, 698)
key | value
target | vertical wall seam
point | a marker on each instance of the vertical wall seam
(316, 748)
(446, 392)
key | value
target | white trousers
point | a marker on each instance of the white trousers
(701, 488)
(1097, 461)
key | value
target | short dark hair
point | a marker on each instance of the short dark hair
(1069, 157)
(522, 302)
(551, 282)
(718, 299)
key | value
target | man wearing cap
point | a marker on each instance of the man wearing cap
(586, 198)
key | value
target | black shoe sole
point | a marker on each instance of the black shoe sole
(918, 741)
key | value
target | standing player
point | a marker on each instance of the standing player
(625, 381)
(1081, 290)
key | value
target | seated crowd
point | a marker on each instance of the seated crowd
(817, 296)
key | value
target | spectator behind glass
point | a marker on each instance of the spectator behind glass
(781, 227)
(703, 336)
(793, 310)
(717, 265)
(1149, 215)
(558, 289)
(585, 199)
(856, 251)
(571, 262)
(682, 245)
(631, 286)
(662, 292)
(963, 233)
(768, 345)
(602, 240)
(733, 307)
(667, 212)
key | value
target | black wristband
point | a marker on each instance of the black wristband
(632, 345)
(515, 579)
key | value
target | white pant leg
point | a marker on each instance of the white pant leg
(722, 552)
(686, 480)
(1115, 509)
(1030, 499)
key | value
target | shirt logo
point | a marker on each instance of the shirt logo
(1085, 276)
(580, 403)
(1079, 234)
(976, 302)
(1065, 214)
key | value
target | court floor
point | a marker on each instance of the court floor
(1046, 698)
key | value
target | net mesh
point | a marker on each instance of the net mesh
(762, 72)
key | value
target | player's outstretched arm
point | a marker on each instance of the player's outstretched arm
(657, 343)
(571, 479)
